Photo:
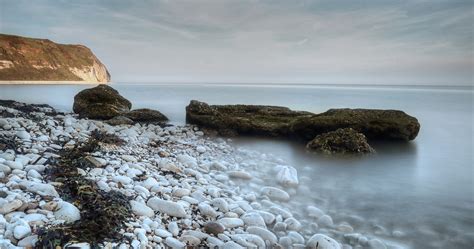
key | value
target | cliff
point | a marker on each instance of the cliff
(29, 59)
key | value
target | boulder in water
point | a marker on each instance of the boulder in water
(341, 141)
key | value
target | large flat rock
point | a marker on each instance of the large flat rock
(283, 122)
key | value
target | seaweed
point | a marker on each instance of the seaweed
(103, 214)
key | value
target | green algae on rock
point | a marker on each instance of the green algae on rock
(341, 141)
(283, 122)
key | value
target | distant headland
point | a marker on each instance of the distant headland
(40, 61)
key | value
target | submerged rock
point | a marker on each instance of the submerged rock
(283, 122)
(100, 102)
(341, 141)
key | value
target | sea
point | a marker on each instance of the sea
(417, 194)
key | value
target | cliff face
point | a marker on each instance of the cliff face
(29, 59)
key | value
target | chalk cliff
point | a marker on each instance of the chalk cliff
(30, 59)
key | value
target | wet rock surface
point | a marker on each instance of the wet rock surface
(341, 141)
(283, 122)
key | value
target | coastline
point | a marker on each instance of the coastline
(185, 188)
(49, 82)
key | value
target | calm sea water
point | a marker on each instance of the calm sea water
(424, 188)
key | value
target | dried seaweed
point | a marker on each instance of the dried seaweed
(103, 214)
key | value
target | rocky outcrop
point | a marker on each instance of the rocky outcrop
(146, 115)
(101, 102)
(341, 141)
(375, 124)
(283, 122)
(104, 102)
(243, 119)
(29, 59)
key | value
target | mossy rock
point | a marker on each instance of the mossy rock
(341, 141)
(101, 102)
(146, 115)
(283, 122)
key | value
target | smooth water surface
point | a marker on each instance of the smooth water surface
(423, 188)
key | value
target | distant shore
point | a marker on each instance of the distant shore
(49, 82)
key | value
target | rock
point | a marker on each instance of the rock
(314, 212)
(325, 220)
(100, 102)
(376, 244)
(29, 241)
(242, 119)
(146, 115)
(81, 245)
(231, 222)
(67, 212)
(141, 209)
(321, 241)
(93, 162)
(287, 176)
(23, 135)
(190, 241)
(253, 219)
(275, 194)
(207, 210)
(341, 141)
(240, 174)
(119, 120)
(21, 231)
(231, 245)
(167, 207)
(174, 243)
(42, 189)
(213, 227)
(264, 234)
(283, 122)
(201, 149)
(10, 206)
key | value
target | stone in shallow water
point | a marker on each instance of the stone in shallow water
(240, 174)
(341, 141)
(275, 194)
(287, 176)
(167, 207)
(314, 212)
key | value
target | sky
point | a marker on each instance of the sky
(258, 41)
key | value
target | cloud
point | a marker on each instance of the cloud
(256, 40)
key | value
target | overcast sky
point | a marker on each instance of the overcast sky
(370, 42)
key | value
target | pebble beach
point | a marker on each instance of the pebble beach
(185, 188)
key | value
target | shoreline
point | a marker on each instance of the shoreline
(185, 188)
(49, 82)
